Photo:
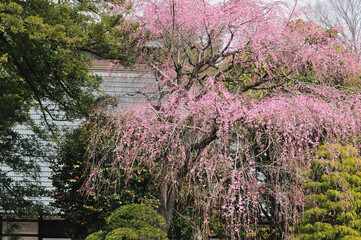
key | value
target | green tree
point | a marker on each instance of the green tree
(333, 208)
(43, 69)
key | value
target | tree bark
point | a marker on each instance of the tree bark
(168, 196)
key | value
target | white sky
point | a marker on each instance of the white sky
(306, 4)
(299, 2)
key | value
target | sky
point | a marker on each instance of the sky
(306, 4)
(299, 2)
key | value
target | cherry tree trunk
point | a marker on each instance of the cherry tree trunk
(168, 196)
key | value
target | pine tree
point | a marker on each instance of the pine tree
(333, 207)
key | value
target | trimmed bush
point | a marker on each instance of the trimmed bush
(133, 222)
(96, 236)
(135, 216)
(122, 234)
(151, 233)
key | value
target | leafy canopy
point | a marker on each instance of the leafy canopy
(43, 72)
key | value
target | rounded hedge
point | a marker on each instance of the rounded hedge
(133, 222)
(135, 216)
(122, 233)
(96, 236)
(151, 233)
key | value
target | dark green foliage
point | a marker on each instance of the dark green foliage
(37, 66)
(333, 207)
(38, 39)
(43, 67)
(83, 214)
(114, 43)
(20, 153)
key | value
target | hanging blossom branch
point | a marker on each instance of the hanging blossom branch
(239, 155)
